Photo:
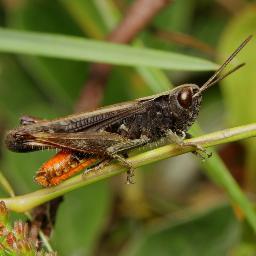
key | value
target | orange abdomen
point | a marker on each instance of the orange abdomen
(60, 167)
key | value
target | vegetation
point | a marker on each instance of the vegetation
(178, 206)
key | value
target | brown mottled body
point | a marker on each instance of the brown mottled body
(108, 132)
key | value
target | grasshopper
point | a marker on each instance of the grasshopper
(109, 133)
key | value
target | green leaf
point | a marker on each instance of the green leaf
(91, 50)
(211, 234)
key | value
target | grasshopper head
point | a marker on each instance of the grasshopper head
(185, 100)
(184, 105)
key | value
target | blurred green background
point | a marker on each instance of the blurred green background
(173, 209)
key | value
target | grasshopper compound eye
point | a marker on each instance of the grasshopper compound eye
(185, 97)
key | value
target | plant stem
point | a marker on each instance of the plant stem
(220, 175)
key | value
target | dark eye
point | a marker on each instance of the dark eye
(185, 97)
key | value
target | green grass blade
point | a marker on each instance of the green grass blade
(218, 172)
(76, 48)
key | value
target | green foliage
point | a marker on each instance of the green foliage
(48, 86)
(242, 108)
(209, 234)
(92, 50)
(80, 220)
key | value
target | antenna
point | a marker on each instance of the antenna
(214, 78)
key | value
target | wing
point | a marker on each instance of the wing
(93, 143)
(21, 138)
(108, 114)
(83, 121)
(99, 143)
